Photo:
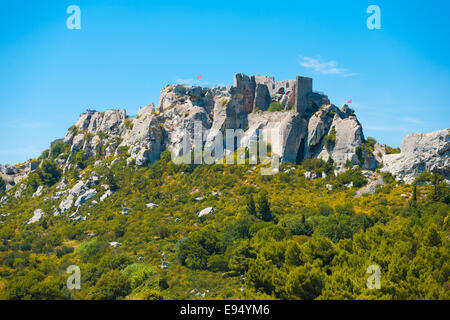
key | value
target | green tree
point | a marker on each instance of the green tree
(263, 207)
(292, 256)
(112, 181)
(2, 187)
(112, 285)
(432, 237)
(250, 206)
(305, 283)
(49, 172)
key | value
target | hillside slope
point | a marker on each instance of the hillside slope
(109, 199)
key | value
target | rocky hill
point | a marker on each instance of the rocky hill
(309, 126)
(109, 199)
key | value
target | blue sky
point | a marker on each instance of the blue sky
(398, 77)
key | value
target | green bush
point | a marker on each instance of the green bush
(330, 139)
(352, 175)
(128, 124)
(2, 187)
(141, 274)
(390, 150)
(47, 174)
(112, 285)
(276, 106)
(58, 148)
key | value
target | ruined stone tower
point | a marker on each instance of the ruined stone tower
(303, 91)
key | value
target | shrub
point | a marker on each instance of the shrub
(79, 159)
(111, 286)
(390, 150)
(89, 250)
(88, 136)
(2, 187)
(193, 252)
(359, 154)
(352, 175)
(388, 178)
(330, 139)
(369, 145)
(102, 135)
(58, 148)
(74, 130)
(63, 251)
(276, 106)
(318, 166)
(141, 274)
(47, 174)
(128, 124)
(297, 225)
(263, 211)
(337, 227)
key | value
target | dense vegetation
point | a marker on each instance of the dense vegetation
(270, 237)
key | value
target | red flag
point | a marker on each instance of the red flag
(349, 101)
(199, 77)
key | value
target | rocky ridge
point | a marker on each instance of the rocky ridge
(310, 126)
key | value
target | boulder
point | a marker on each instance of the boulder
(206, 211)
(106, 195)
(78, 188)
(38, 192)
(19, 190)
(115, 244)
(88, 195)
(37, 215)
(77, 218)
(370, 187)
(63, 184)
(67, 203)
(420, 152)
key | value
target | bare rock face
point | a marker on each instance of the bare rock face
(290, 126)
(308, 126)
(420, 152)
(302, 126)
(113, 129)
(12, 175)
(344, 130)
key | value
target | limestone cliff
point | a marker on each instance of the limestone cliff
(421, 152)
(309, 126)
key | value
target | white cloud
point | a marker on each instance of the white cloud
(324, 67)
(412, 120)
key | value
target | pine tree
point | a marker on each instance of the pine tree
(263, 207)
(251, 209)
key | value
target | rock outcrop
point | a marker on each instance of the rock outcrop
(12, 175)
(308, 126)
(420, 152)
